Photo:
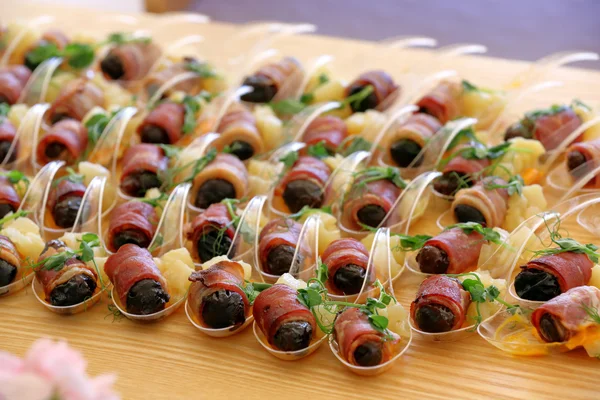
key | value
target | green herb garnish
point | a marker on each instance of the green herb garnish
(120, 38)
(156, 202)
(514, 185)
(170, 150)
(567, 245)
(85, 253)
(15, 177)
(71, 176)
(191, 106)
(203, 70)
(308, 210)
(77, 55)
(289, 159)
(13, 216)
(253, 289)
(197, 166)
(357, 98)
(357, 143)
(287, 106)
(318, 150)
(4, 109)
(373, 174)
(410, 243)
(489, 234)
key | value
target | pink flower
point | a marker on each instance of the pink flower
(51, 369)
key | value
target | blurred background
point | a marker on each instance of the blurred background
(521, 29)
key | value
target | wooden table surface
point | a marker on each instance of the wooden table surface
(173, 360)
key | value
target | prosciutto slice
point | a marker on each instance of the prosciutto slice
(591, 152)
(65, 188)
(353, 329)
(157, 79)
(279, 232)
(13, 79)
(382, 193)
(569, 309)
(137, 58)
(445, 291)
(227, 167)
(239, 125)
(570, 269)
(463, 165)
(492, 203)
(133, 215)
(69, 133)
(343, 252)
(552, 130)
(278, 73)
(328, 129)
(306, 168)
(384, 87)
(216, 216)
(277, 305)
(462, 249)
(72, 267)
(169, 117)
(419, 128)
(130, 265)
(225, 275)
(9, 253)
(7, 135)
(143, 157)
(76, 99)
(442, 102)
(8, 194)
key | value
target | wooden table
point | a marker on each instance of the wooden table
(172, 359)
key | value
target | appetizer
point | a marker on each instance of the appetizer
(142, 167)
(346, 261)
(211, 232)
(277, 244)
(130, 61)
(304, 184)
(270, 79)
(485, 203)
(442, 102)
(454, 251)
(225, 177)
(138, 282)
(582, 159)
(329, 130)
(75, 100)
(384, 91)
(9, 198)
(8, 132)
(13, 79)
(238, 134)
(20, 242)
(287, 324)
(408, 140)
(64, 199)
(66, 140)
(131, 222)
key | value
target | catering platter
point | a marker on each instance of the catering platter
(380, 210)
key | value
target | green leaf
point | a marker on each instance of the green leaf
(318, 150)
(203, 70)
(514, 185)
(489, 234)
(469, 87)
(476, 289)
(357, 97)
(373, 174)
(120, 38)
(565, 245)
(357, 143)
(581, 104)
(10, 217)
(71, 176)
(170, 150)
(592, 313)
(192, 107)
(96, 126)
(411, 243)
(42, 53)
(379, 322)
(307, 98)
(323, 79)
(89, 237)
(4, 109)
(289, 159)
(466, 135)
(15, 176)
(287, 106)
(79, 55)
(310, 297)
(492, 293)
(532, 116)
(322, 271)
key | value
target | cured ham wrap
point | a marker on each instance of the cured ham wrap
(304, 184)
(440, 305)
(163, 125)
(566, 316)
(157, 79)
(75, 100)
(72, 284)
(442, 102)
(271, 79)
(287, 324)
(361, 344)
(9, 199)
(66, 140)
(211, 233)
(8, 132)
(485, 203)
(347, 261)
(132, 222)
(217, 297)
(50, 37)
(238, 132)
(408, 140)
(10, 261)
(138, 283)
(130, 61)
(64, 202)
(329, 130)
(451, 252)
(142, 166)
(277, 244)
(582, 158)
(547, 277)
(226, 177)
(385, 91)
(551, 127)
(13, 79)
(460, 172)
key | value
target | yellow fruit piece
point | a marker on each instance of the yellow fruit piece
(17, 113)
(397, 319)
(333, 162)
(595, 279)
(90, 171)
(587, 114)
(269, 126)
(114, 94)
(57, 83)
(333, 90)
(328, 229)
(262, 174)
(367, 124)
(381, 256)
(25, 235)
(178, 255)
(523, 154)
(532, 202)
(483, 105)
(289, 280)
(176, 272)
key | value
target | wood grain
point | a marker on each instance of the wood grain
(172, 360)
